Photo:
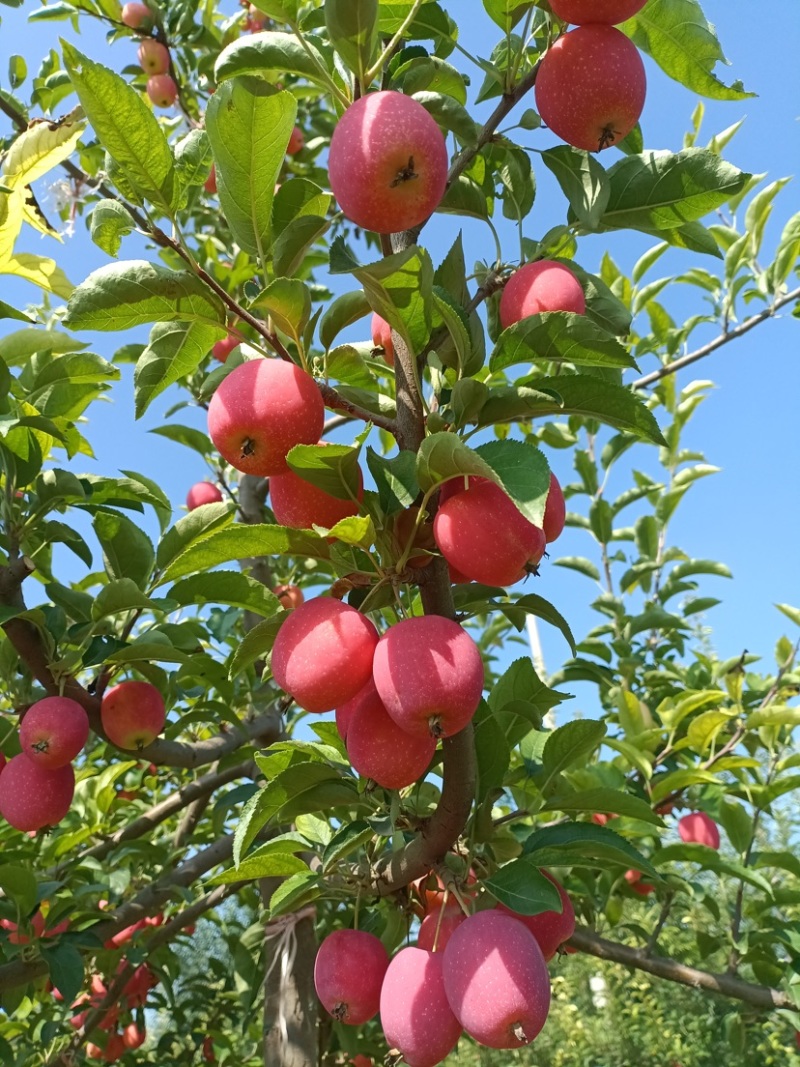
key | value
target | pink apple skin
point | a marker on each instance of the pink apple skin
(162, 90)
(429, 674)
(323, 653)
(301, 505)
(555, 511)
(210, 186)
(32, 797)
(296, 142)
(153, 57)
(699, 828)
(451, 920)
(496, 980)
(612, 12)
(591, 87)
(415, 1013)
(202, 493)
(53, 732)
(379, 749)
(482, 534)
(261, 411)
(348, 973)
(382, 337)
(634, 880)
(222, 349)
(379, 144)
(136, 15)
(550, 928)
(538, 287)
(132, 714)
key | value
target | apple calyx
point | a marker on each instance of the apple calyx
(405, 174)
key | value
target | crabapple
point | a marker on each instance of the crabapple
(429, 674)
(496, 980)
(202, 493)
(481, 533)
(32, 797)
(93, 1052)
(699, 828)
(153, 57)
(591, 87)
(378, 748)
(296, 142)
(446, 924)
(387, 162)
(115, 1047)
(139, 985)
(382, 337)
(261, 411)
(537, 287)
(210, 186)
(323, 654)
(53, 731)
(162, 90)
(555, 511)
(132, 714)
(431, 889)
(290, 596)
(300, 505)
(415, 1014)
(550, 928)
(133, 1036)
(348, 972)
(137, 16)
(579, 12)
(600, 818)
(635, 883)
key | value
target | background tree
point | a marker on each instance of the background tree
(174, 910)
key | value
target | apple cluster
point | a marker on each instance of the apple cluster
(123, 1024)
(482, 973)
(154, 57)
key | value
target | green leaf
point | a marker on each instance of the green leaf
(507, 13)
(523, 472)
(126, 127)
(558, 337)
(790, 612)
(519, 700)
(275, 859)
(20, 884)
(121, 295)
(345, 842)
(175, 350)
(521, 886)
(533, 604)
(292, 894)
(492, 750)
(611, 801)
(340, 313)
(110, 222)
(195, 527)
(678, 37)
(186, 435)
(395, 480)
(571, 743)
(676, 781)
(40, 148)
(583, 181)
(243, 542)
(584, 845)
(272, 53)
(288, 302)
(66, 967)
(352, 27)
(127, 550)
(710, 860)
(121, 595)
(226, 587)
(193, 158)
(257, 644)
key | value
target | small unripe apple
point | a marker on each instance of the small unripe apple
(210, 186)
(32, 797)
(379, 749)
(296, 142)
(387, 162)
(290, 596)
(429, 674)
(300, 505)
(162, 90)
(496, 980)
(261, 411)
(550, 928)
(591, 87)
(699, 828)
(132, 714)
(137, 16)
(202, 493)
(348, 973)
(483, 535)
(446, 924)
(579, 12)
(634, 880)
(415, 1014)
(539, 287)
(153, 56)
(382, 337)
(555, 511)
(323, 654)
(53, 732)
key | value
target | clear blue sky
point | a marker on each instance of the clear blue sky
(747, 516)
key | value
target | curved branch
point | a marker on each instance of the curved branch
(725, 985)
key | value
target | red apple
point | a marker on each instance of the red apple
(429, 674)
(162, 90)
(538, 287)
(378, 748)
(382, 337)
(53, 732)
(153, 56)
(550, 928)
(222, 349)
(296, 142)
(300, 505)
(387, 162)
(202, 493)
(261, 411)
(132, 714)
(699, 828)
(600, 818)
(32, 797)
(579, 12)
(137, 16)
(323, 654)
(634, 880)
(591, 86)
(208, 1049)
(555, 511)
(115, 1048)
(133, 1037)
(210, 186)
(415, 1014)
(348, 973)
(290, 596)
(446, 924)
